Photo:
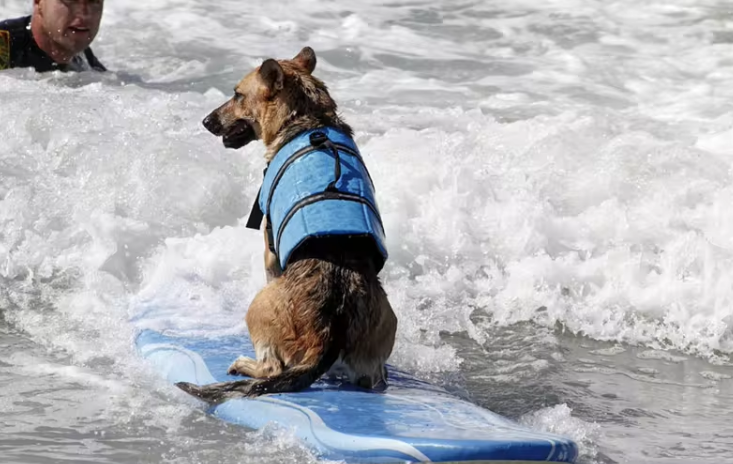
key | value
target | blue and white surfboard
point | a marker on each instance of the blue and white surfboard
(410, 421)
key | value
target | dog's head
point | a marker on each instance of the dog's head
(266, 98)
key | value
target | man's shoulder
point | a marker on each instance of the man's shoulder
(4, 49)
(12, 34)
(15, 24)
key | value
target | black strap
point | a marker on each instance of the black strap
(255, 221)
(256, 215)
(93, 61)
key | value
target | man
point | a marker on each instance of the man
(56, 37)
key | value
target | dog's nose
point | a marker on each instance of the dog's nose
(212, 124)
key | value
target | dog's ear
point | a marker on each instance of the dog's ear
(306, 59)
(272, 75)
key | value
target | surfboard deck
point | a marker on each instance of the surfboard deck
(410, 421)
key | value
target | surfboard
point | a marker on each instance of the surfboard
(410, 421)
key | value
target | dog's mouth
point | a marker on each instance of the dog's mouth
(239, 134)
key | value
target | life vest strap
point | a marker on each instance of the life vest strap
(316, 197)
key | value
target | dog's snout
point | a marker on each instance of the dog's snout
(213, 124)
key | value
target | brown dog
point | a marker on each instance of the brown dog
(325, 310)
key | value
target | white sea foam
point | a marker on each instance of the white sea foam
(559, 420)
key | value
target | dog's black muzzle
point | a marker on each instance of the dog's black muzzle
(213, 124)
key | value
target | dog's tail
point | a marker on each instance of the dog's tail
(290, 380)
(297, 377)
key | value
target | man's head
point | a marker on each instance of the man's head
(70, 25)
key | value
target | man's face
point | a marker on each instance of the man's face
(72, 24)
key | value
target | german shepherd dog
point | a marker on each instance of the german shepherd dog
(327, 311)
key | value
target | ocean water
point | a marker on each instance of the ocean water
(554, 177)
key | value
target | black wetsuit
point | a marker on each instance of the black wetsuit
(18, 49)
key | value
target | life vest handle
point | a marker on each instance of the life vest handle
(319, 139)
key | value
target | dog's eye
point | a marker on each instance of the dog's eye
(238, 96)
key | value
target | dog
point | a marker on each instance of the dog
(323, 309)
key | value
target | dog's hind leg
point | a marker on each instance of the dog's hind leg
(371, 340)
(266, 364)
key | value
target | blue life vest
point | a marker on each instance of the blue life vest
(316, 186)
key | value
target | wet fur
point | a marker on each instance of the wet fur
(327, 312)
